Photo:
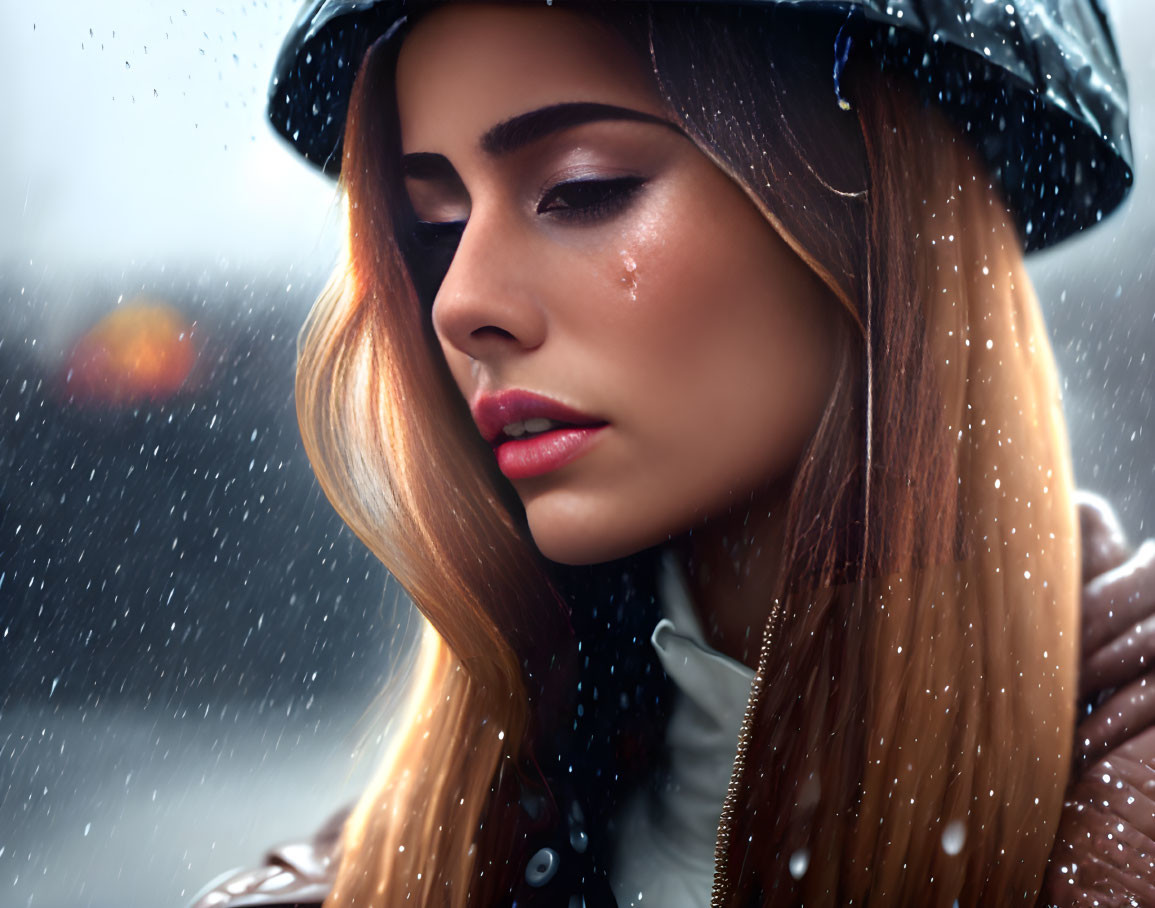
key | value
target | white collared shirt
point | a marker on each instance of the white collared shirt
(664, 848)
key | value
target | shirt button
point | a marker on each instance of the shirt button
(578, 840)
(542, 867)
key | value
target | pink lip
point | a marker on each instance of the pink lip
(522, 458)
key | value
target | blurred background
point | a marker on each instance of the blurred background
(191, 643)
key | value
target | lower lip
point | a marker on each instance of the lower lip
(526, 458)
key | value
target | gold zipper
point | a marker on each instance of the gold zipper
(722, 842)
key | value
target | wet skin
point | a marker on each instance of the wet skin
(605, 262)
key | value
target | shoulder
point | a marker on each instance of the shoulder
(294, 875)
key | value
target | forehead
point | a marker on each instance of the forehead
(467, 66)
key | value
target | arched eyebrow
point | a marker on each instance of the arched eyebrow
(515, 133)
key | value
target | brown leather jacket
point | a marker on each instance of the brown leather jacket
(1104, 853)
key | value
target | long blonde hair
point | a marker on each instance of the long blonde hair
(914, 711)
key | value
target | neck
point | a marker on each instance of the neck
(731, 562)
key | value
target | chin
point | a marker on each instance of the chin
(581, 549)
(576, 542)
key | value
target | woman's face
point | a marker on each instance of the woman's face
(609, 278)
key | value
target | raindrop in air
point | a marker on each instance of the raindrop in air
(954, 836)
(799, 862)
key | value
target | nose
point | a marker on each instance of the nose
(487, 306)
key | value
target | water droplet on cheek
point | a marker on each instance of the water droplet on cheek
(630, 278)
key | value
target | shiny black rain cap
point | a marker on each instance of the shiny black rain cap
(1036, 84)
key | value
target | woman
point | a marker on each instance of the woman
(643, 321)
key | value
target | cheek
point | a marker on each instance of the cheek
(728, 340)
(710, 347)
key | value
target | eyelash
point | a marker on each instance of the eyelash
(589, 200)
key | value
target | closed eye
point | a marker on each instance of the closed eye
(589, 199)
(438, 233)
(433, 244)
(431, 247)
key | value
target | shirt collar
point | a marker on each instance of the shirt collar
(717, 684)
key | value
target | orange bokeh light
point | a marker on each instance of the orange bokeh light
(140, 351)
